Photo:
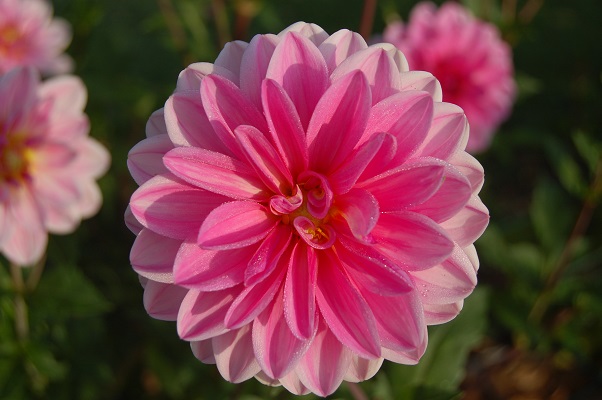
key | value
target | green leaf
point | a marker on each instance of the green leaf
(567, 169)
(590, 150)
(65, 292)
(551, 215)
(441, 369)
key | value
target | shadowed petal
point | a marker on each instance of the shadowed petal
(189, 80)
(286, 131)
(210, 270)
(422, 80)
(339, 46)
(311, 31)
(379, 69)
(361, 369)
(254, 65)
(299, 291)
(360, 211)
(268, 254)
(162, 300)
(403, 187)
(470, 168)
(447, 134)
(234, 355)
(339, 122)
(293, 384)
(145, 159)
(265, 160)
(230, 57)
(449, 282)
(236, 224)
(344, 309)
(201, 315)
(300, 69)
(276, 348)
(227, 108)
(203, 351)
(325, 363)
(412, 240)
(469, 223)
(153, 255)
(172, 208)
(216, 172)
(435, 314)
(156, 124)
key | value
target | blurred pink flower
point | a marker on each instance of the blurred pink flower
(306, 209)
(48, 164)
(467, 56)
(29, 36)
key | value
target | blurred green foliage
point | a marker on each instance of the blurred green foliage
(540, 290)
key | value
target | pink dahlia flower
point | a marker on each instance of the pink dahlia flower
(306, 209)
(29, 36)
(467, 56)
(48, 164)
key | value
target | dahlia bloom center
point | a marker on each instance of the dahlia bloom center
(15, 158)
(9, 36)
(308, 209)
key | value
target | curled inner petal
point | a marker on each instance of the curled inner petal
(318, 237)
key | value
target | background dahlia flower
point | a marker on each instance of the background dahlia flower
(467, 56)
(306, 208)
(29, 36)
(48, 164)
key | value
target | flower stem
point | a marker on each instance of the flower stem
(367, 18)
(583, 220)
(356, 391)
(21, 317)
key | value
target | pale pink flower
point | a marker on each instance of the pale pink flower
(467, 56)
(29, 36)
(48, 164)
(306, 209)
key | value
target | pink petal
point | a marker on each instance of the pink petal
(451, 196)
(293, 384)
(422, 80)
(172, 208)
(203, 351)
(449, 282)
(361, 369)
(339, 46)
(382, 159)
(254, 299)
(344, 309)
(396, 55)
(67, 94)
(26, 240)
(162, 300)
(265, 160)
(188, 125)
(436, 314)
(379, 69)
(360, 211)
(345, 177)
(156, 124)
(371, 271)
(93, 158)
(131, 222)
(299, 291)
(407, 116)
(335, 129)
(300, 69)
(268, 254)
(236, 224)
(412, 240)
(285, 126)
(254, 66)
(210, 270)
(201, 315)
(311, 31)
(277, 350)
(18, 88)
(153, 255)
(230, 57)
(190, 78)
(325, 363)
(145, 159)
(266, 380)
(469, 223)
(234, 355)
(470, 168)
(227, 108)
(216, 172)
(400, 323)
(410, 184)
(448, 133)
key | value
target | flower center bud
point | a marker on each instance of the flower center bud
(15, 159)
(9, 35)
(308, 209)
